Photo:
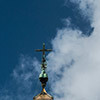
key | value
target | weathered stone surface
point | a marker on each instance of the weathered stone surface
(43, 96)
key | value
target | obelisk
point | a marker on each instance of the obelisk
(43, 77)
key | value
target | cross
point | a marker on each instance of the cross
(43, 50)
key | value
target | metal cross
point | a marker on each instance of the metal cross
(43, 50)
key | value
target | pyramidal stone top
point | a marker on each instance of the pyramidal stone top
(43, 77)
(43, 96)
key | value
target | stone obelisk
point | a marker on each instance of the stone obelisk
(43, 77)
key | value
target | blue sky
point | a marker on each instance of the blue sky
(26, 24)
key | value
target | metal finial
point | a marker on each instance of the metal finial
(43, 75)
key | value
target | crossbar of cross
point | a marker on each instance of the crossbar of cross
(43, 50)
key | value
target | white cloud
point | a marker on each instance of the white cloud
(80, 79)
(23, 82)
